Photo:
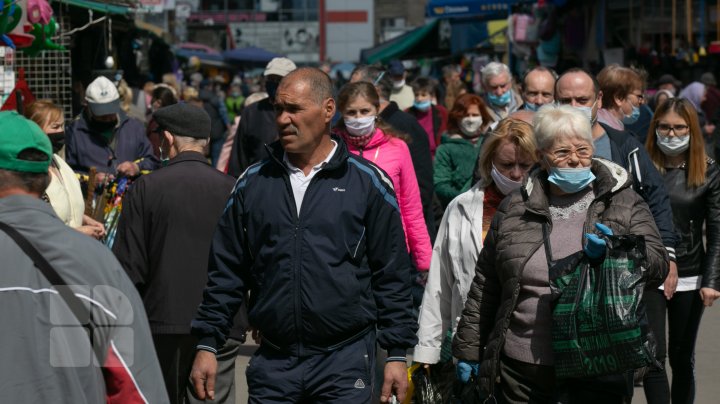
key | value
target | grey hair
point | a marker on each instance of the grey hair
(494, 69)
(552, 122)
(184, 142)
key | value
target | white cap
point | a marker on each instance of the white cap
(102, 97)
(279, 66)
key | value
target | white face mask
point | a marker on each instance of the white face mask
(360, 126)
(398, 84)
(503, 183)
(672, 145)
(470, 126)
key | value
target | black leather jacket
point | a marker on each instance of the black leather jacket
(691, 208)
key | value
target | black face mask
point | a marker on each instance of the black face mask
(271, 87)
(57, 140)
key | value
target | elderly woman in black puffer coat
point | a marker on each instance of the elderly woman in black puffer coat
(505, 333)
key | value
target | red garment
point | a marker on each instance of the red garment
(491, 201)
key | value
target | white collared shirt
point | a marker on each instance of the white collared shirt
(299, 181)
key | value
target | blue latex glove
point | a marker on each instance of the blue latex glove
(465, 368)
(595, 246)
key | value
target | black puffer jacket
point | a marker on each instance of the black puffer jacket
(691, 208)
(515, 235)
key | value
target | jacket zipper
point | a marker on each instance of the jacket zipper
(296, 265)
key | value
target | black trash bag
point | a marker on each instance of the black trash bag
(599, 323)
(426, 390)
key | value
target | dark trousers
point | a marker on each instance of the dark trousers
(341, 376)
(176, 354)
(525, 382)
(612, 389)
(683, 312)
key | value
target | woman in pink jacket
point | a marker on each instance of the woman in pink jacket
(367, 136)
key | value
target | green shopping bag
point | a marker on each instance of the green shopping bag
(599, 322)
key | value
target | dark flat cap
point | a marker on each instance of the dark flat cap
(183, 119)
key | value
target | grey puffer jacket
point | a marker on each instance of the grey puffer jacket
(515, 235)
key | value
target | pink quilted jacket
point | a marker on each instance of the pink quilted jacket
(392, 155)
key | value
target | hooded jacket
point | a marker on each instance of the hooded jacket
(319, 279)
(515, 235)
(392, 155)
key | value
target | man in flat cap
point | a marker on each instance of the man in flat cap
(97, 349)
(163, 242)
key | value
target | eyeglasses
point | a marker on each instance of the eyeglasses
(640, 97)
(583, 152)
(664, 129)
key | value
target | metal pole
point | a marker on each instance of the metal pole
(674, 27)
(227, 39)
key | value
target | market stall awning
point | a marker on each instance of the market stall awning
(122, 7)
(468, 34)
(399, 47)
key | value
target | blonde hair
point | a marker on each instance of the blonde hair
(510, 130)
(43, 111)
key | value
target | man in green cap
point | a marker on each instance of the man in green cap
(89, 342)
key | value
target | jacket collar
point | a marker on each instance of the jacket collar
(188, 156)
(389, 111)
(609, 179)
(276, 152)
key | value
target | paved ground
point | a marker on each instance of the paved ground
(707, 362)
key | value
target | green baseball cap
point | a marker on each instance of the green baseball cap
(18, 134)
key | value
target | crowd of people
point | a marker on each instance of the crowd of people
(395, 213)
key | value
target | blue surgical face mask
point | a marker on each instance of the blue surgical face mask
(571, 180)
(500, 100)
(422, 105)
(529, 106)
(633, 117)
(587, 111)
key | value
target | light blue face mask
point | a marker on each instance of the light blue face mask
(500, 100)
(633, 117)
(422, 105)
(571, 180)
(529, 106)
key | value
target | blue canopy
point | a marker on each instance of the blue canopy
(249, 54)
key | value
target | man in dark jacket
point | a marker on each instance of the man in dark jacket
(105, 138)
(163, 242)
(257, 123)
(578, 88)
(315, 234)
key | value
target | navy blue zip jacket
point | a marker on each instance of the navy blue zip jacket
(320, 279)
